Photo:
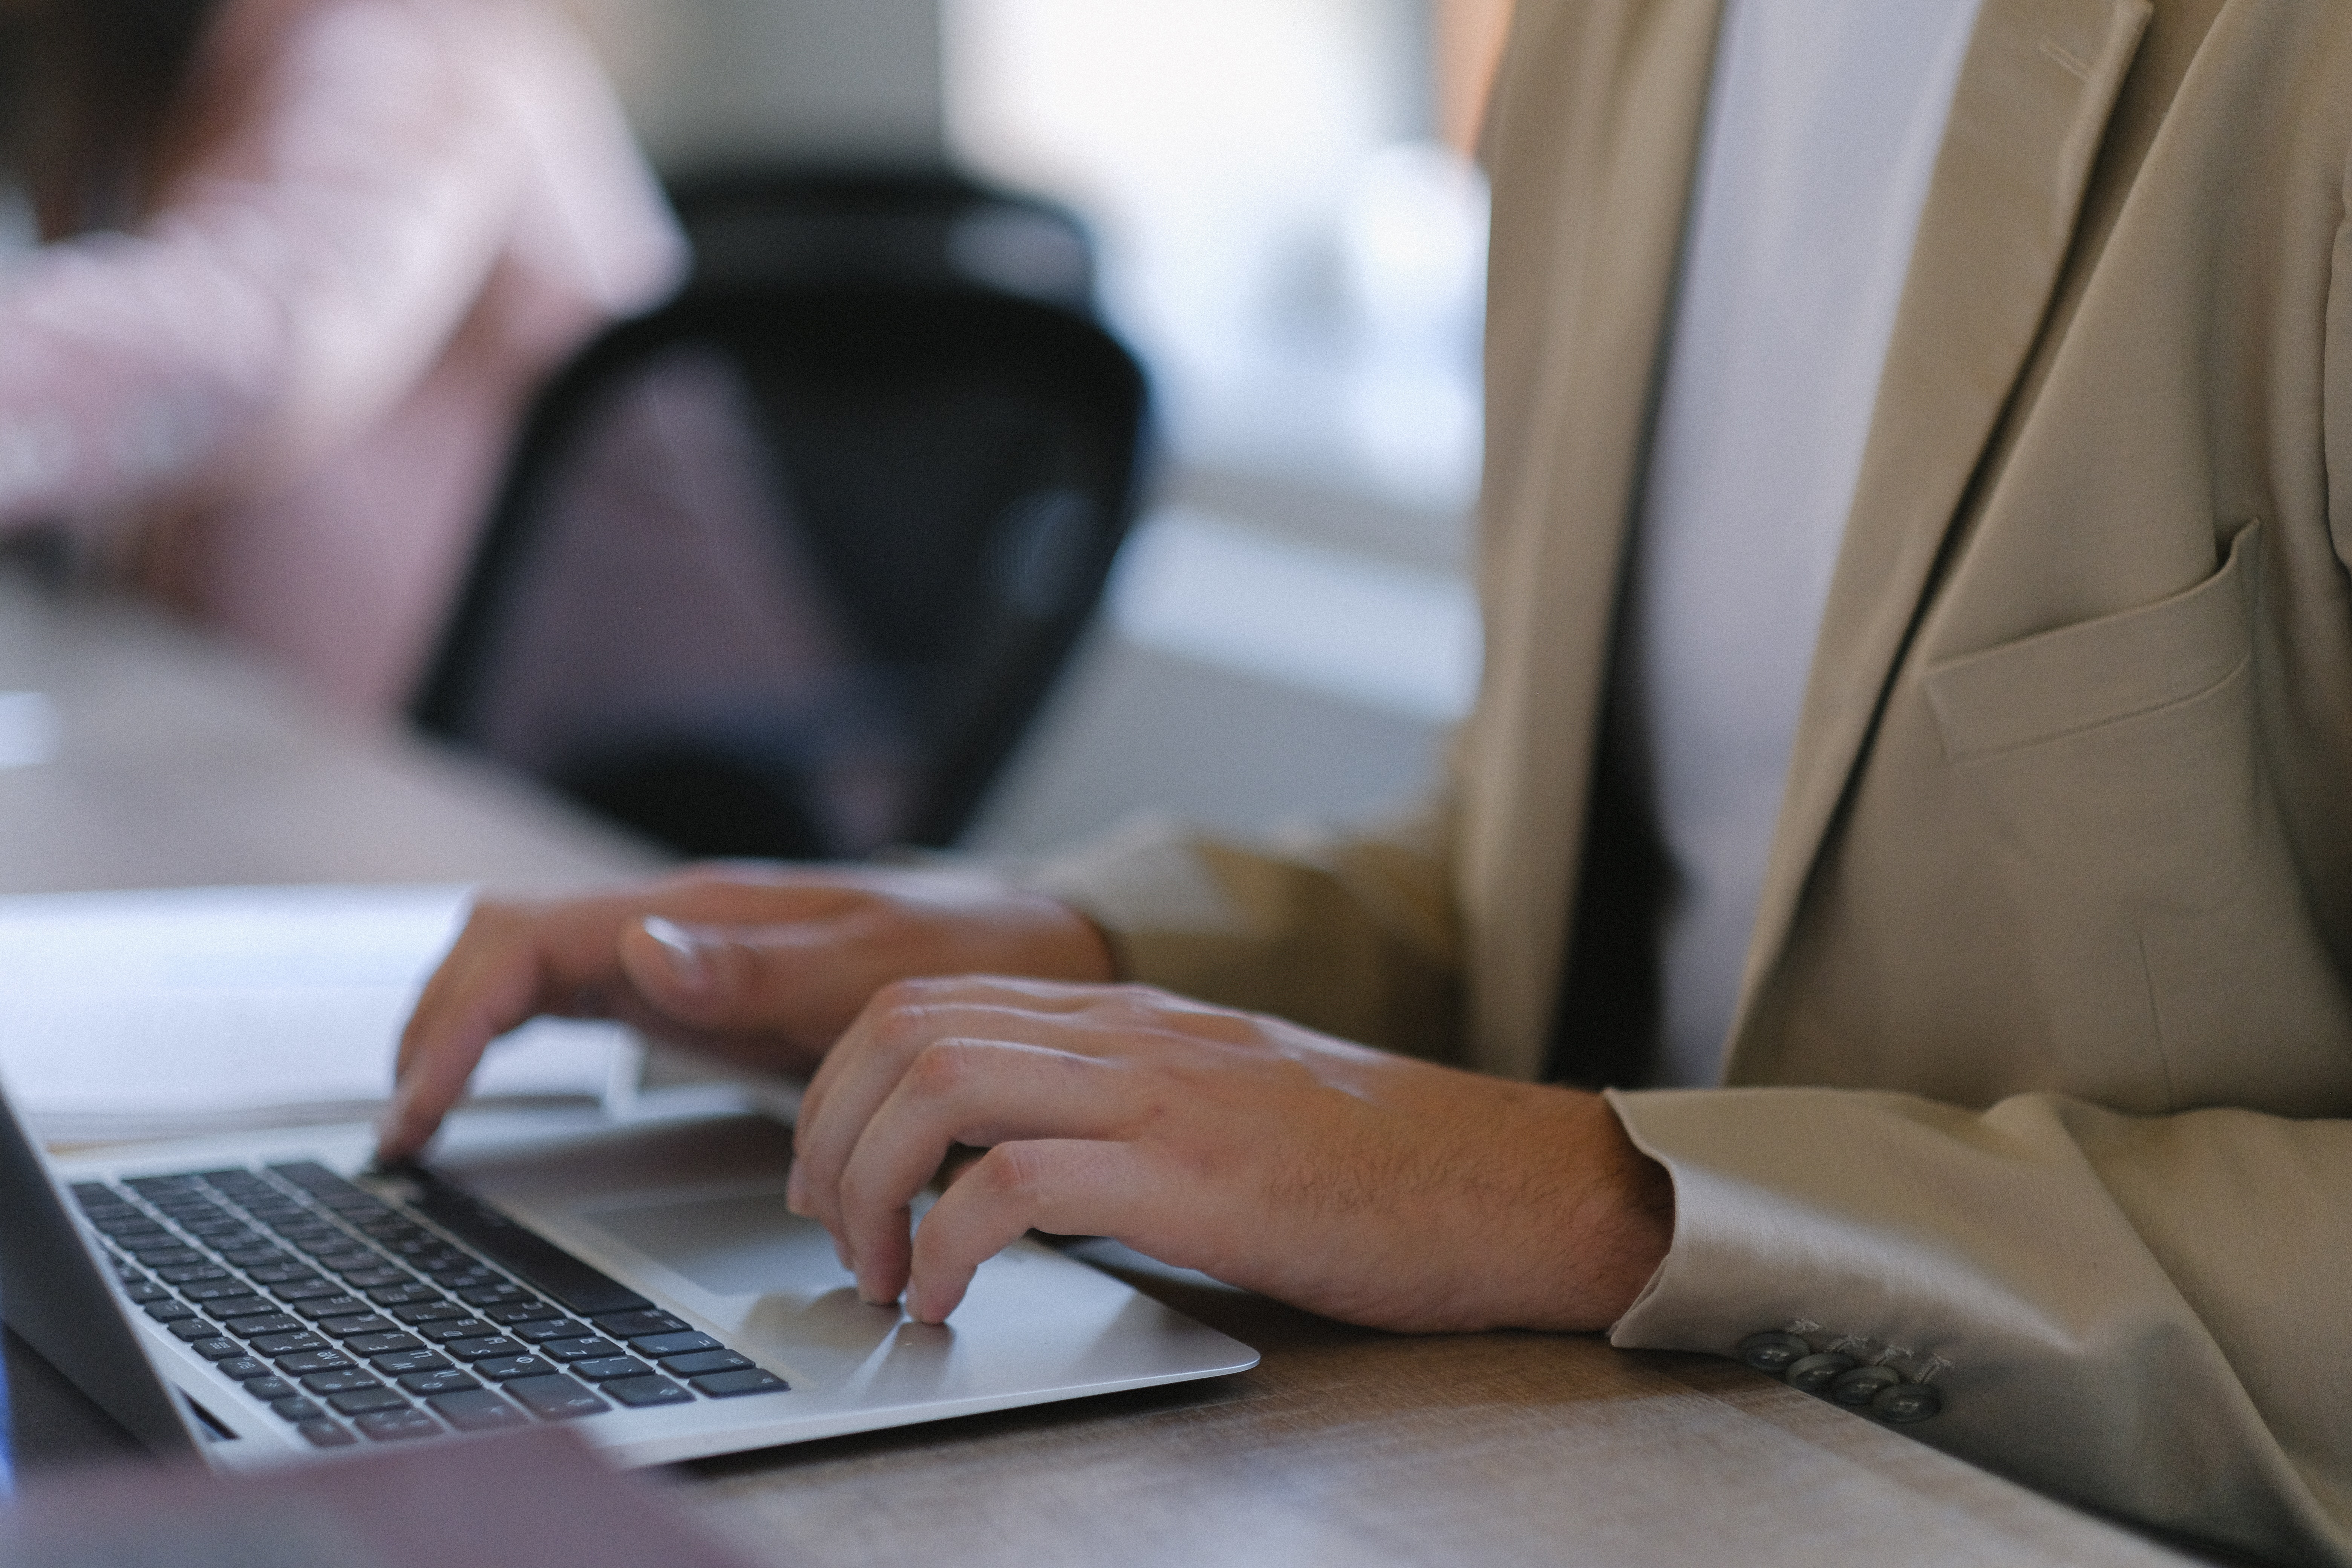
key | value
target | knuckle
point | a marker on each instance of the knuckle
(1012, 1173)
(941, 1069)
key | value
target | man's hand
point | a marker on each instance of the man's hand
(1362, 1185)
(763, 965)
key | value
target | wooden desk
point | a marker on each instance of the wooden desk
(181, 766)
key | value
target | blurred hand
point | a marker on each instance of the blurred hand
(1362, 1185)
(764, 967)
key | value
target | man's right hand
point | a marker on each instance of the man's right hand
(763, 965)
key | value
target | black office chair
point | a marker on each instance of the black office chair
(784, 568)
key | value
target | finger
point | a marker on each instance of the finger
(478, 993)
(1064, 1187)
(975, 1093)
(866, 1065)
(511, 961)
(1010, 994)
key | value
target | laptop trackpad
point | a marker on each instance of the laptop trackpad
(744, 1244)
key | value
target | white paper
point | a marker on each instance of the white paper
(192, 1010)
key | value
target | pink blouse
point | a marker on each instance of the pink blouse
(381, 224)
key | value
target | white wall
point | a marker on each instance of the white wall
(852, 81)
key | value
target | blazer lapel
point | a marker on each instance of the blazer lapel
(2041, 80)
(1594, 137)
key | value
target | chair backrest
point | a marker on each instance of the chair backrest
(762, 222)
(784, 569)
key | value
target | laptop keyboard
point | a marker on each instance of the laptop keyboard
(349, 1317)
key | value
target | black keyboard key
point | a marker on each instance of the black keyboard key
(589, 1349)
(630, 1325)
(189, 1273)
(218, 1290)
(704, 1361)
(608, 1369)
(450, 1382)
(476, 1410)
(727, 1384)
(404, 1295)
(539, 1330)
(167, 1257)
(325, 1433)
(170, 1312)
(243, 1368)
(193, 1328)
(265, 1326)
(368, 1400)
(330, 1307)
(158, 1186)
(142, 1291)
(217, 1350)
(487, 1349)
(639, 1392)
(130, 1274)
(350, 1380)
(296, 1409)
(357, 1328)
(88, 1192)
(313, 1241)
(376, 1275)
(127, 1231)
(431, 1311)
(253, 1257)
(506, 1369)
(314, 1178)
(380, 1343)
(286, 1273)
(396, 1364)
(343, 1263)
(449, 1332)
(492, 1295)
(521, 1314)
(269, 1390)
(391, 1426)
(313, 1291)
(302, 1364)
(659, 1346)
(276, 1345)
(526, 1255)
(460, 1281)
(239, 1311)
(555, 1397)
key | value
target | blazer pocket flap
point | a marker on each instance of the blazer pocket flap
(2061, 682)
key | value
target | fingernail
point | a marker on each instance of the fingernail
(792, 1191)
(681, 953)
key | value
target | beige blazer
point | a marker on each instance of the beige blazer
(2046, 1013)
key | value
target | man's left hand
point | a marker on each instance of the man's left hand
(1365, 1186)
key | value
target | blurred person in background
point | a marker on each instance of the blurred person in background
(303, 263)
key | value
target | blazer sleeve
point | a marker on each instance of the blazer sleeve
(2149, 1315)
(1354, 935)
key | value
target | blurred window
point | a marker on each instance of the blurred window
(1287, 234)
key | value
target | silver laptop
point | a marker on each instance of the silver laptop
(265, 1296)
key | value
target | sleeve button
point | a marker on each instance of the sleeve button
(1905, 1403)
(1773, 1353)
(1862, 1385)
(1815, 1373)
